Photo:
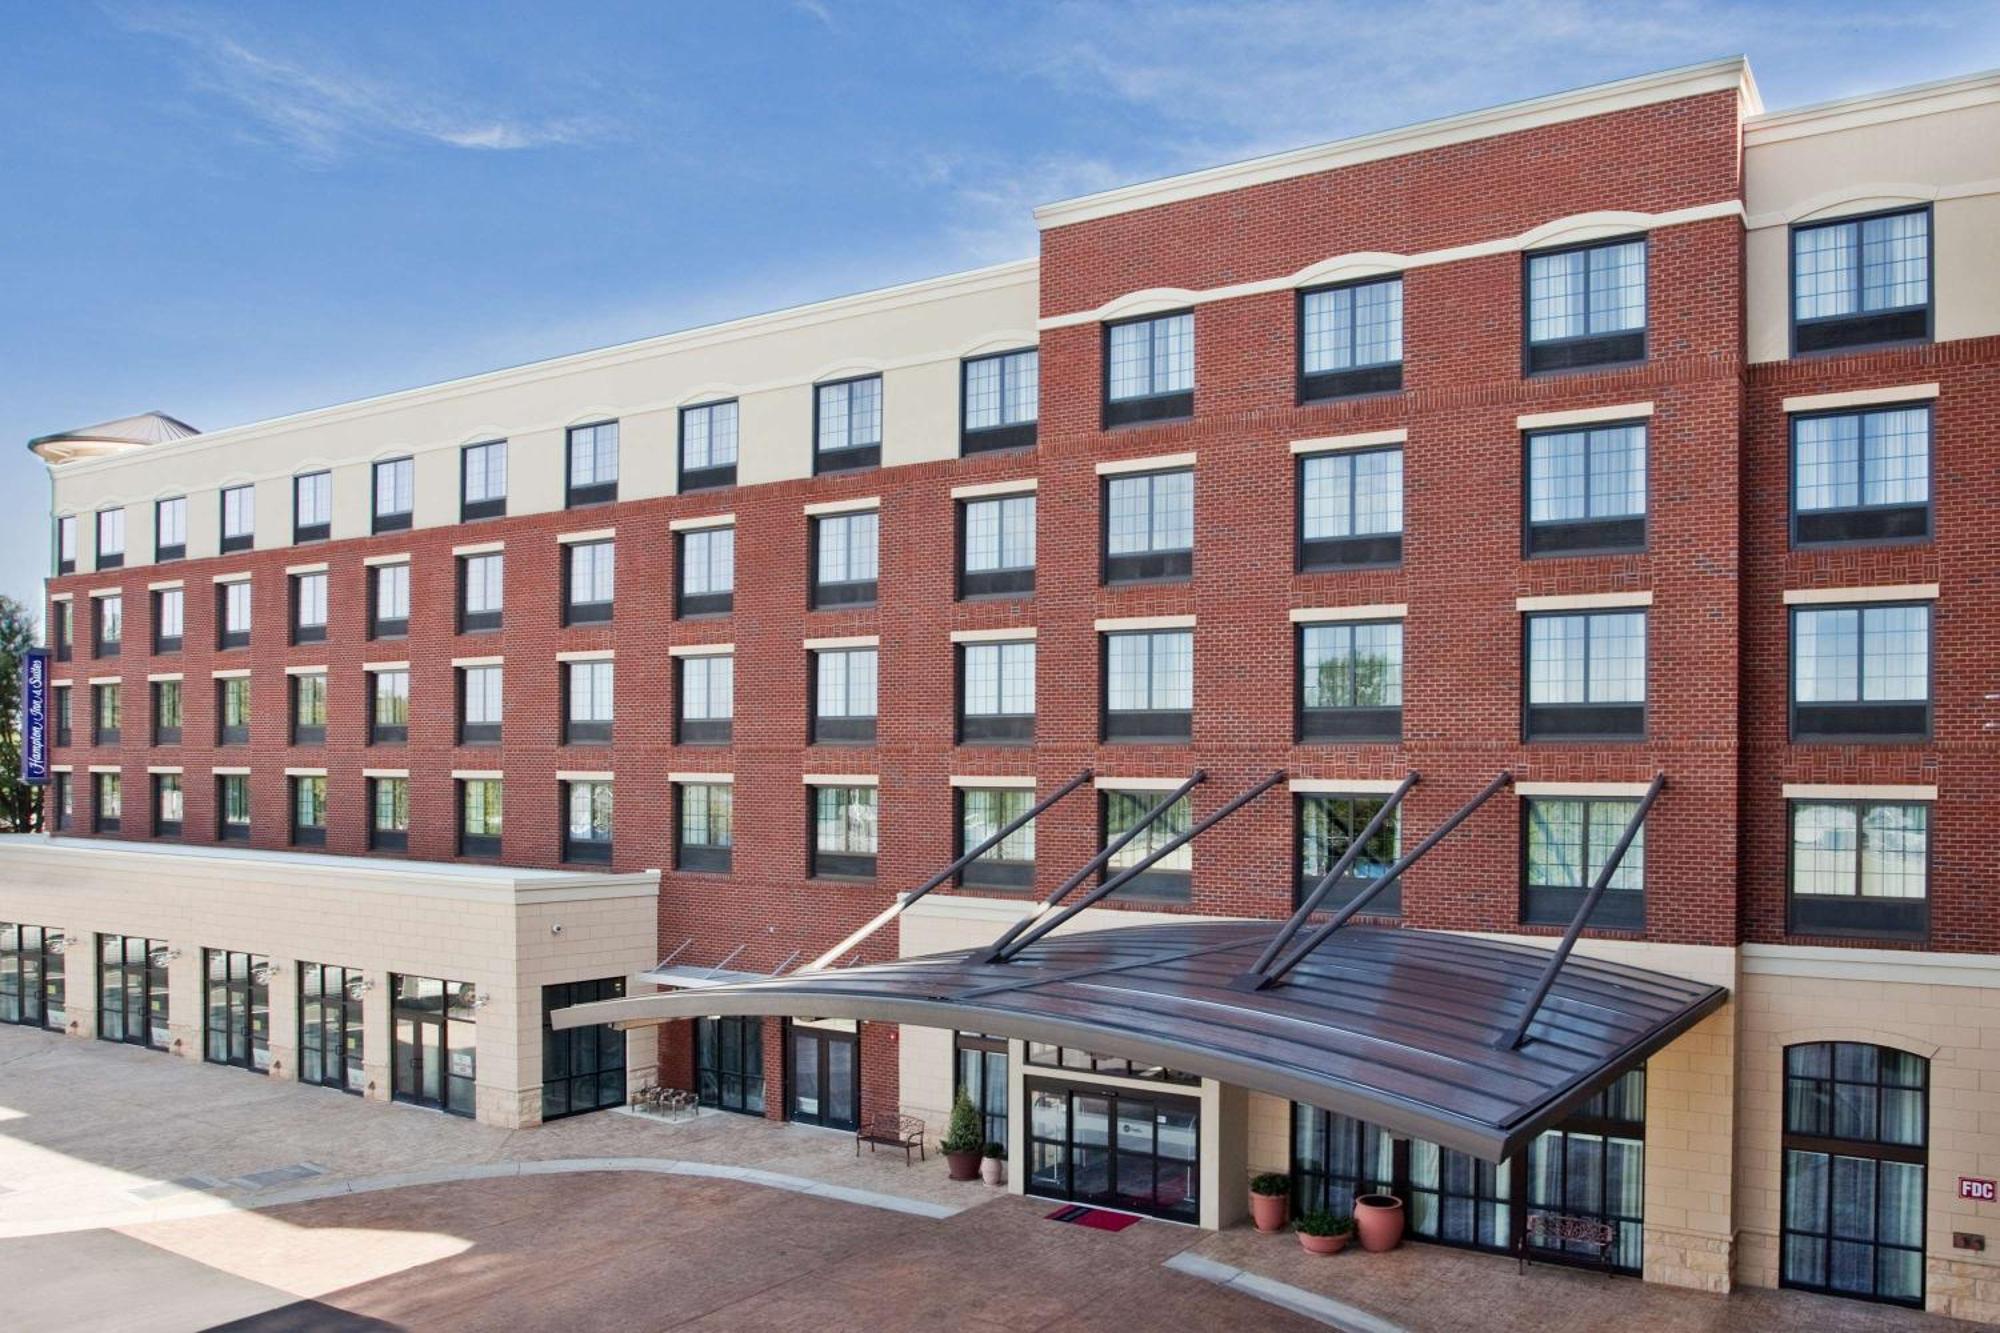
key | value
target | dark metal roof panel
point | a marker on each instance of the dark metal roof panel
(1399, 1027)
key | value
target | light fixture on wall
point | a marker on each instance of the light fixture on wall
(161, 957)
(359, 987)
(263, 972)
(479, 1001)
(59, 944)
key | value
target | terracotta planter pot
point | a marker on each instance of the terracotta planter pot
(993, 1170)
(962, 1165)
(1379, 1219)
(1268, 1211)
(1322, 1244)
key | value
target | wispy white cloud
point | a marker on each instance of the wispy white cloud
(816, 9)
(322, 109)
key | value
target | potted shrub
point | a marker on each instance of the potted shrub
(1323, 1233)
(1270, 1200)
(1379, 1219)
(993, 1164)
(963, 1141)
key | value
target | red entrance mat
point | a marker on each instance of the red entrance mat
(1101, 1219)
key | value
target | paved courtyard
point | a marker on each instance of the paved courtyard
(145, 1193)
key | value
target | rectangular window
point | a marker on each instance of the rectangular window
(587, 822)
(169, 619)
(1861, 476)
(62, 617)
(64, 801)
(707, 699)
(312, 507)
(983, 812)
(389, 814)
(843, 832)
(232, 807)
(1351, 681)
(389, 707)
(844, 559)
(239, 518)
(110, 538)
(62, 714)
(167, 712)
(309, 608)
(309, 708)
(708, 446)
(233, 614)
(308, 812)
(395, 494)
(1149, 686)
(170, 529)
(843, 711)
(1000, 397)
(1586, 676)
(1586, 306)
(1565, 845)
(705, 827)
(389, 602)
(707, 572)
(1149, 527)
(232, 710)
(107, 714)
(169, 805)
(587, 580)
(107, 802)
(1587, 490)
(482, 481)
(479, 707)
(996, 695)
(593, 464)
(1861, 673)
(110, 628)
(1859, 282)
(66, 544)
(1149, 369)
(1350, 509)
(847, 424)
(1860, 868)
(1172, 876)
(997, 547)
(1351, 340)
(587, 690)
(479, 817)
(481, 592)
(1328, 826)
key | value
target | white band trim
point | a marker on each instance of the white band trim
(1345, 786)
(115, 592)
(1113, 624)
(305, 772)
(1313, 615)
(375, 561)
(238, 576)
(163, 770)
(230, 771)
(1616, 789)
(1157, 463)
(1025, 633)
(106, 768)
(583, 775)
(115, 680)
(841, 780)
(1136, 784)
(1893, 592)
(385, 666)
(231, 673)
(588, 535)
(477, 774)
(697, 524)
(166, 585)
(1371, 439)
(501, 661)
(1584, 601)
(305, 670)
(1840, 791)
(1022, 486)
(479, 548)
(854, 506)
(385, 772)
(157, 675)
(850, 641)
(701, 650)
(317, 567)
(984, 780)
(702, 778)
(580, 655)
(1583, 416)
(1830, 402)
(62, 596)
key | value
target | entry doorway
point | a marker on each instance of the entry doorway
(823, 1075)
(238, 1026)
(436, 1045)
(1139, 1151)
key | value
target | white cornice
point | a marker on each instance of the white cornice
(1488, 122)
(1877, 108)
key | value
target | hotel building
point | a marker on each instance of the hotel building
(1634, 443)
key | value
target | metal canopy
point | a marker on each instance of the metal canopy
(1402, 1028)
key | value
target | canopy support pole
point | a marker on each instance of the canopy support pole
(903, 900)
(1271, 976)
(1089, 868)
(1123, 877)
(1519, 1032)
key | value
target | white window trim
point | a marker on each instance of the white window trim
(376, 561)
(1583, 416)
(305, 670)
(1838, 791)
(317, 567)
(701, 650)
(1024, 634)
(239, 576)
(989, 489)
(1329, 444)
(1585, 601)
(841, 780)
(164, 770)
(583, 775)
(699, 524)
(1157, 463)
(1833, 402)
(591, 535)
(305, 772)
(385, 773)
(1894, 592)
(1318, 615)
(382, 666)
(166, 585)
(231, 673)
(477, 775)
(1344, 786)
(479, 548)
(987, 780)
(501, 661)
(1610, 790)
(1136, 784)
(702, 779)
(856, 506)
(580, 655)
(851, 641)
(1120, 624)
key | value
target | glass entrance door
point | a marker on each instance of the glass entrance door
(583, 1069)
(1116, 1149)
(435, 1061)
(31, 976)
(330, 1027)
(238, 1027)
(132, 991)
(824, 1083)
(729, 1063)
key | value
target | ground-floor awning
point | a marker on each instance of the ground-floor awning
(1407, 1029)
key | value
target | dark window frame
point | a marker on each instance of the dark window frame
(841, 867)
(384, 839)
(162, 826)
(990, 584)
(1880, 722)
(99, 821)
(1375, 724)
(587, 731)
(479, 846)
(853, 457)
(1589, 723)
(171, 551)
(1620, 910)
(225, 829)
(168, 643)
(393, 520)
(239, 541)
(1369, 550)
(585, 851)
(704, 858)
(1152, 565)
(300, 631)
(1862, 326)
(303, 533)
(1858, 915)
(1010, 729)
(1324, 386)
(61, 697)
(386, 733)
(594, 493)
(1387, 903)
(990, 871)
(1152, 884)
(1552, 539)
(696, 606)
(850, 594)
(470, 621)
(227, 733)
(701, 731)
(470, 510)
(587, 613)
(389, 627)
(1173, 405)
(304, 733)
(162, 733)
(101, 558)
(1153, 726)
(225, 637)
(303, 835)
(1007, 436)
(101, 735)
(853, 730)
(716, 476)
(100, 646)
(1585, 351)
(66, 564)
(1862, 524)
(472, 733)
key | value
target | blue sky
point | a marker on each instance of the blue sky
(229, 212)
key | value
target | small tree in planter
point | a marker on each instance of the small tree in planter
(1270, 1200)
(993, 1164)
(1323, 1233)
(964, 1141)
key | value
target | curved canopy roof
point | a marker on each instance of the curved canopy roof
(1403, 1028)
(110, 437)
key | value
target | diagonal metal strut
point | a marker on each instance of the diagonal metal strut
(1519, 1032)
